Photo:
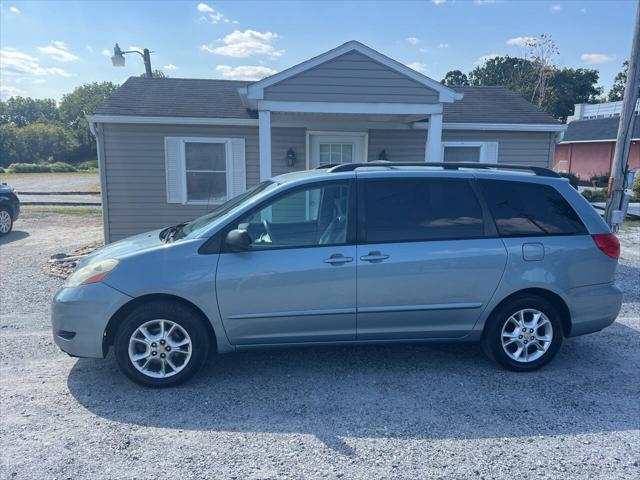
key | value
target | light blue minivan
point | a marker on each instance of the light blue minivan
(510, 256)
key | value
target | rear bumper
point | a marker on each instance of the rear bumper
(593, 307)
(79, 317)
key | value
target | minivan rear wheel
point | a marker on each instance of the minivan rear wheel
(523, 334)
(161, 344)
(6, 221)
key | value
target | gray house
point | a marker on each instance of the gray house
(171, 149)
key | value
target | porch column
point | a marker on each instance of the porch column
(264, 135)
(433, 152)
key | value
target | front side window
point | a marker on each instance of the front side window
(420, 209)
(314, 216)
(530, 209)
(206, 171)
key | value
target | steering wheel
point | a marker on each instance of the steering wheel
(268, 230)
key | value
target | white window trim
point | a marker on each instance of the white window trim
(310, 133)
(482, 145)
(183, 167)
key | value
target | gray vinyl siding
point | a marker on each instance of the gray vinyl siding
(351, 77)
(530, 148)
(281, 140)
(134, 174)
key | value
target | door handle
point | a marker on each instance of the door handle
(338, 259)
(374, 256)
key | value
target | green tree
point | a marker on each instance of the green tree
(619, 82)
(82, 101)
(21, 111)
(8, 144)
(568, 86)
(155, 73)
(40, 142)
(455, 78)
(515, 73)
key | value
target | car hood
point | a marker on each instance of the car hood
(126, 247)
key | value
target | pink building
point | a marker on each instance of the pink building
(589, 141)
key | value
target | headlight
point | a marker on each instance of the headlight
(92, 273)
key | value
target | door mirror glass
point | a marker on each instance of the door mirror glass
(238, 240)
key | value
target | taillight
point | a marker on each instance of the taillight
(608, 243)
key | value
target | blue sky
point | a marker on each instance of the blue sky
(49, 47)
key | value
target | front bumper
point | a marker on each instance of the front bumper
(593, 307)
(79, 317)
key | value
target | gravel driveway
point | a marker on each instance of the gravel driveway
(369, 412)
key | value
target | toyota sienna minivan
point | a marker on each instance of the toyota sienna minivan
(512, 257)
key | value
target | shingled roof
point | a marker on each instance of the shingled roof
(204, 98)
(597, 129)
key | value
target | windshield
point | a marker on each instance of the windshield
(203, 222)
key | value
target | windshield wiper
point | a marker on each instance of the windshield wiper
(169, 234)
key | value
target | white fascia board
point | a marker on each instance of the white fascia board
(256, 90)
(172, 120)
(350, 107)
(508, 127)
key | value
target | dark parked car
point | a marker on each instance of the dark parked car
(9, 208)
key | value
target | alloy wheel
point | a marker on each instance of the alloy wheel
(526, 335)
(160, 348)
(5, 222)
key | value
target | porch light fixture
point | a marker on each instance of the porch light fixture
(118, 58)
(291, 157)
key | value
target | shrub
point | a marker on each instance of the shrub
(88, 165)
(636, 188)
(599, 195)
(2, 170)
(599, 179)
(59, 167)
(573, 178)
(28, 168)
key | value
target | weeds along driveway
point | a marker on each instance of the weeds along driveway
(369, 412)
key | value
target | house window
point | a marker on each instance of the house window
(336, 153)
(470, 152)
(205, 164)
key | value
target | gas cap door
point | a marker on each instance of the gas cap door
(532, 252)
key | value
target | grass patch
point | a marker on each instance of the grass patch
(62, 210)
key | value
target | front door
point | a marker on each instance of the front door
(333, 148)
(297, 281)
(425, 267)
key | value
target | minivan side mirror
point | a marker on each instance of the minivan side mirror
(238, 240)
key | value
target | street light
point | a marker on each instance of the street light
(118, 58)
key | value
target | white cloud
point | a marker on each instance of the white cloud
(418, 67)
(14, 10)
(245, 72)
(58, 51)
(7, 91)
(244, 44)
(438, 2)
(521, 41)
(106, 52)
(212, 14)
(443, 45)
(171, 66)
(483, 2)
(89, 48)
(14, 63)
(596, 58)
(481, 60)
(556, 8)
(413, 40)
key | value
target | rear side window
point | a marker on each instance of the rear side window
(529, 209)
(415, 209)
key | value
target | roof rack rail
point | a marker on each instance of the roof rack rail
(538, 171)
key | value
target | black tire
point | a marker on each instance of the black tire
(190, 320)
(492, 336)
(6, 211)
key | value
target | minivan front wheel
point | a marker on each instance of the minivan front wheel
(161, 344)
(523, 334)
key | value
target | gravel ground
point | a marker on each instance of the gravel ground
(370, 412)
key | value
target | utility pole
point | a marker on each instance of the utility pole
(147, 62)
(614, 212)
